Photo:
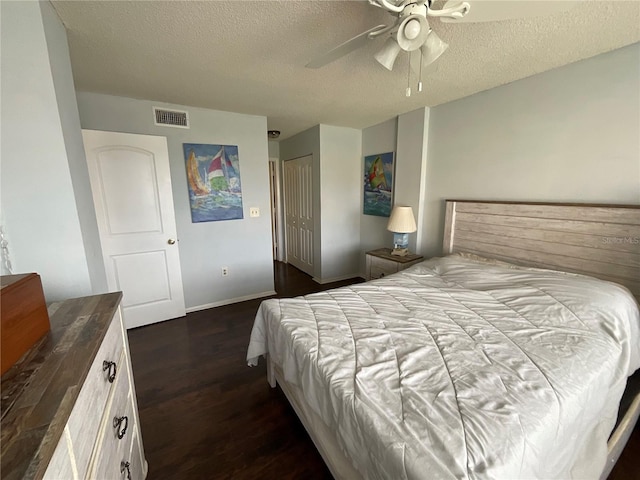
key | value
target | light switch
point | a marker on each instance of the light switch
(254, 212)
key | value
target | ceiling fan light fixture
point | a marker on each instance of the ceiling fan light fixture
(388, 53)
(412, 32)
(412, 29)
(433, 47)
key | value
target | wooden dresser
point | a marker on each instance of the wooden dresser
(380, 263)
(69, 407)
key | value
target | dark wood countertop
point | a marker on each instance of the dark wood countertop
(386, 254)
(40, 390)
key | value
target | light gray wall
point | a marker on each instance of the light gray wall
(380, 138)
(274, 149)
(411, 164)
(70, 120)
(568, 135)
(39, 210)
(244, 246)
(300, 145)
(340, 173)
(336, 155)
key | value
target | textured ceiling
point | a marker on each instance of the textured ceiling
(250, 56)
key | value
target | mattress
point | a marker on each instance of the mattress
(456, 368)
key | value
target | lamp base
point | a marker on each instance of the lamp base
(400, 244)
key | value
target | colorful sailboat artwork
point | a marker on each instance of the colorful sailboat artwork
(376, 174)
(378, 181)
(213, 176)
(196, 185)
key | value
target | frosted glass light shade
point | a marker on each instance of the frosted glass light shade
(388, 54)
(402, 220)
(412, 29)
(412, 32)
(433, 48)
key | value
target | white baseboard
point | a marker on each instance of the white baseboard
(229, 301)
(322, 281)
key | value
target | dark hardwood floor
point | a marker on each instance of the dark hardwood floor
(206, 415)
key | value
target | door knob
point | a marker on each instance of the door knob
(171, 241)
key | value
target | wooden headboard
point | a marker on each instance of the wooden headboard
(598, 240)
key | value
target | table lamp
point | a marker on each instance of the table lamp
(401, 223)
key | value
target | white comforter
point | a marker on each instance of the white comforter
(458, 369)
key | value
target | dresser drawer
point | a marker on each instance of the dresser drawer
(381, 267)
(61, 464)
(110, 449)
(134, 461)
(84, 422)
(377, 272)
(381, 262)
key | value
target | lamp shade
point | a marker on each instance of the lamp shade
(401, 220)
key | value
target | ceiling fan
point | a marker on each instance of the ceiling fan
(411, 31)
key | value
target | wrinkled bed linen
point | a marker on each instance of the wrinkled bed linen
(457, 369)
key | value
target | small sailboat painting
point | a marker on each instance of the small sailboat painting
(213, 176)
(378, 184)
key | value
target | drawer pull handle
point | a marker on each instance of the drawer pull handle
(118, 425)
(111, 367)
(124, 466)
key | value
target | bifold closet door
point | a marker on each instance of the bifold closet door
(298, 200)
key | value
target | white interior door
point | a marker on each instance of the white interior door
(131, 186)
(298, 194)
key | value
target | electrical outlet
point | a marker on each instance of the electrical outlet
(254, 212)
(225, 271)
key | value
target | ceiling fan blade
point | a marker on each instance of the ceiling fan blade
(344, 48)
(495, 10)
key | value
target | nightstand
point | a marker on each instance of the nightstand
(380, 262)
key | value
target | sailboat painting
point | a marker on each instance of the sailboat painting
(213, 176)
(378, 184)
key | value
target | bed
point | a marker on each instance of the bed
(479, 364)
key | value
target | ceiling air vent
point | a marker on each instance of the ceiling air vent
(170, 118)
